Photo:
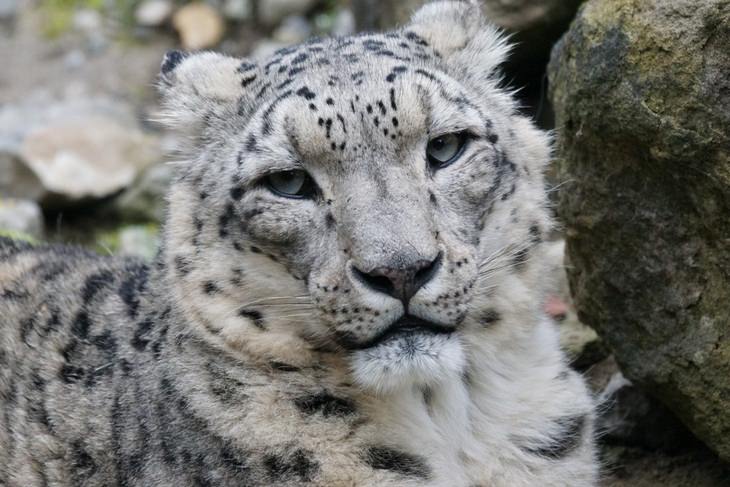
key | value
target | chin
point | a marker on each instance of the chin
(407, 360)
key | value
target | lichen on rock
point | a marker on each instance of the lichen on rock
(642, 97)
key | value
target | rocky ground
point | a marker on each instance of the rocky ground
(81, 159)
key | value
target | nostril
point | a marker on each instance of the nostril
(377, 282)
(426, 273)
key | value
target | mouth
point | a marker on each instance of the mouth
(407, 325)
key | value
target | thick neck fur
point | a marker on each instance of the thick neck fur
(513, 386)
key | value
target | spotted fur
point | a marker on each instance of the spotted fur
(241, 355)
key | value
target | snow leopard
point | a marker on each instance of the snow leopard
(348, 291)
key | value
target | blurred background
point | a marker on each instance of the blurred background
(82, 162)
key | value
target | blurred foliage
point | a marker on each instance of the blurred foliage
(15, 235)
(58, 14)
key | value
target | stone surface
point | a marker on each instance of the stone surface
(145, 199)
(630, 417)
(293, 30)
(22, 216)
(8, 9)
(343, 23)
(153, 13)
(134, 240)
(271, 12)
(63, 152)
(642, 97)
(266, 48)
(199, 25)
(238, 10)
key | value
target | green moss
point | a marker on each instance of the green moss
(15, 235)
(147, 235)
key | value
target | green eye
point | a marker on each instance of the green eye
(291, 184)
(445, 149)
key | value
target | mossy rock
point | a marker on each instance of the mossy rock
(641, 90)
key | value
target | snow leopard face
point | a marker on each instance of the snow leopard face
(367, 197)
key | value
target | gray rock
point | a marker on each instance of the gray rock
(265, 48)
(629, 416)
(22, 216)
(641, 96)
(199, 25)
(271, 12)
(145, 199)
(238, 10)
(153, 13)
(63, 152)
(134, 240)
(293, 30)
(8, 9)
(139, 240)
(343, 23)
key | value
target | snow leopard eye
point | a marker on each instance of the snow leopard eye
(291, 184)
(445, 149)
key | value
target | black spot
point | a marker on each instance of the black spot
(432, 198)
(300, 59)
(140, 339)
(426, 74)
(253, 315)
(94, 284)
(566, 442)
(255, 249)
(247, 81)
(82, 463)
(210, 288)
(297, 463)
(493, 138)
(132, 287)
(171, 60)
(325, 403)
(224, 219)
(329, 220)
(236, 192)
(490, 316)
(285, 83)
(306, 93)
(81, 325)
(294, 71)
(246, 66)
(382, 108)
(251, 146)
(71, 374)
(329, 101)
(341, 119)
(385, 458)
(182, 264)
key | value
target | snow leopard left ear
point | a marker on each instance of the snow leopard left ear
(199, 88)
(459, 32)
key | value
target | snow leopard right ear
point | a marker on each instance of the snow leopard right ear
(460, 33)
(199, 89)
